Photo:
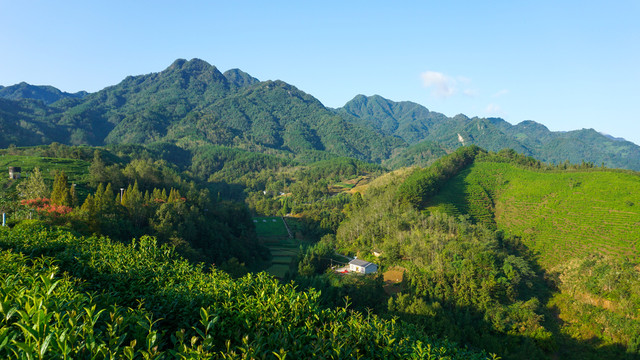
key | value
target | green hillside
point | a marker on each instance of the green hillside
(495, 276)
(89, 297)
(421, 154)
(527, 260)
(27, 122)
(558, 214)
(76, 170)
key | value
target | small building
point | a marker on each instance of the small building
(363, 267)
(14, 172)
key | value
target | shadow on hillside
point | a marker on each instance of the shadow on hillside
(463, 325)
(561, 345)
(467, 326)
(227, 191)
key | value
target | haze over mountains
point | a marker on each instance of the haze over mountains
(192, 102)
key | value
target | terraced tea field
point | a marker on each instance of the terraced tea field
(560, 215)
(274, 235)
(76, 170)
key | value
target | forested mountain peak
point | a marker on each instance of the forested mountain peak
(194, 69)
(407, 120)
(531, 123)
(240, 78)
(193, 64)
(362, 105)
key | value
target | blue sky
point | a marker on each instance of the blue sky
(565, 64)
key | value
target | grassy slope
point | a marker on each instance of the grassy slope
(559, 215)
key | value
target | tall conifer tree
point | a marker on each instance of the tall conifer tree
(61, 194)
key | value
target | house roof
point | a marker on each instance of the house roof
(359, 262)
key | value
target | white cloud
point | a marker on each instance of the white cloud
(442, 85)
(494, 110)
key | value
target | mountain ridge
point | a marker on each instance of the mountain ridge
(527, 137)
(191, 102)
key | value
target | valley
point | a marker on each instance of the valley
(192, 213)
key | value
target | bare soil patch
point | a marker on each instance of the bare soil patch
(393, 280)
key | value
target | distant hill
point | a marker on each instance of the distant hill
(421, 154)
(414, 123)
(26, 123)
(47, 94)
(191, 103)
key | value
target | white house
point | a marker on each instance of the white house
(363, 267)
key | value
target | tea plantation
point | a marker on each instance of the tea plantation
(69, 297)
(558, 214)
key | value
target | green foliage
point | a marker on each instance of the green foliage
(61, 194)
(157, 200)
(34, 187)
(461, 280)
(600, 298)
(45, 315)
(559, 214)
(421, 154)
(175, 310)
(232, 166)
(424, 183)
(469, 276)
(337, 169)
(30, 158)
(267, 227)
(565, 214)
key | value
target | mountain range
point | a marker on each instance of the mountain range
(191, 103)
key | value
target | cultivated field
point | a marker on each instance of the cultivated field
(284, 250)
(76, 170)
(559, 215)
